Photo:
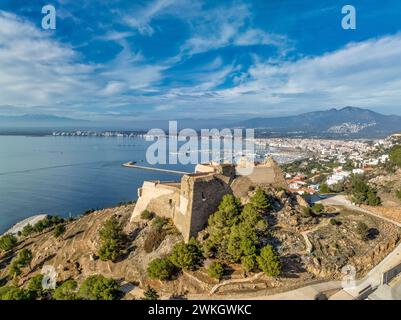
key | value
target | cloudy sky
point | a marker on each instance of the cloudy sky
(166, 59)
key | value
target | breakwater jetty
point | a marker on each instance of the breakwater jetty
(135, 166)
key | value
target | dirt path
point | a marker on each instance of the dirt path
(341, 200)
(235, 281)
(309, 245)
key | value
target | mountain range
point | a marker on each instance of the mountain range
(37, 119)
(346, 122)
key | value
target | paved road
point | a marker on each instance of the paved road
(396, 288)
(310, 292)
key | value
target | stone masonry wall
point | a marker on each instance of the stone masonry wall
(199, 195)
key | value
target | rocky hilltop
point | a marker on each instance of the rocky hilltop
(312, 247)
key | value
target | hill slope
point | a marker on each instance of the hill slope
(347, 122)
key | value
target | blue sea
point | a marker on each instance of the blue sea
(69, 175)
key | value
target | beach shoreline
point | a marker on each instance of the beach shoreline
(20, 225)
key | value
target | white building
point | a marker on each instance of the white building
(338, 176)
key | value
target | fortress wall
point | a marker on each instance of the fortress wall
(207, 196)
(262, 175)
(241, 186)
(203, 168)
(165, 206)
(199, 194)
(200, 197)
(182, 218)
(265, 175)
(158, 198)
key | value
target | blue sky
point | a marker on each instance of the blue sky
(172, 59)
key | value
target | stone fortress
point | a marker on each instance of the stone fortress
(190, 202)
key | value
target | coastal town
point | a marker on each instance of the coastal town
(335, 160)
(322, 205)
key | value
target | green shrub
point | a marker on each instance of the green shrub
(362, 230)
(219, 226)
(235, 231)
(110, 251)
(23, 259)
(66, 291)
(362, 193)
(338, 187)
(14, 293)
(241, 241)
(334, 222)
(150, 294)
(147, 215)
(318, 208)
(161, 268)
(395, 156)
(186, 256)
(27, 230)
(398, 194)
(159, 222)
(307, 212)
(248, 263)
(260, 201)
(372, 198)
(46, 223)
(54, 220)
(8, 242)
(14, 270)
(98, 287)
(216, 270)
(112, 240)
(59, 230)
(35, 287)
(269, 261)
(324, 188)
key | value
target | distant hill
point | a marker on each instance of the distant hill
(37, 118)
(346, 122)
(37, 124)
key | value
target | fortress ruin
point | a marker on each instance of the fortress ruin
(190, 202)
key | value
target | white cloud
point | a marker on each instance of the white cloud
(38, 71)
(165, 107)
(365, 74)
(260, 37)
(210, 28)
(141, 19)
(115, 36)
(227, 26)
(128, 71)
(34, 69)
(113, 88)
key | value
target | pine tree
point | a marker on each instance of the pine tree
(112, 240)
(269, 261)
(260, 201)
